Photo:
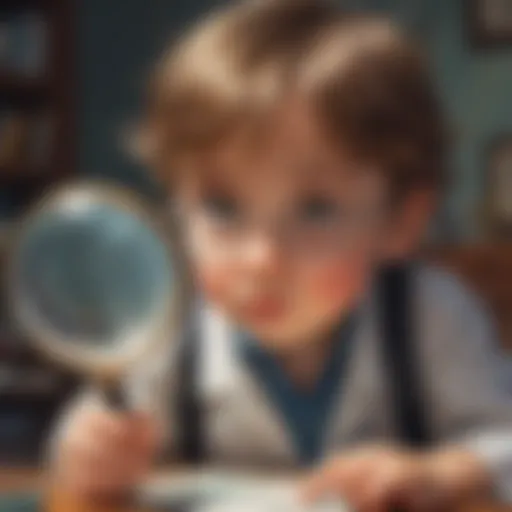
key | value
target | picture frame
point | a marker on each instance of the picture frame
(490, 22)
(498, 188)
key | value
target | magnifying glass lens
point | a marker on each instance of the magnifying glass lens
(92, 271)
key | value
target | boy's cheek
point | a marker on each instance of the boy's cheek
(212, 283)
(208, 266)
(339, 283)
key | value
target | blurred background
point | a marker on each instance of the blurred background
(72, 81)
(99, 53)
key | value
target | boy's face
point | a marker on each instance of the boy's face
(283, 237)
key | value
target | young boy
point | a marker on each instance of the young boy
(303, 148)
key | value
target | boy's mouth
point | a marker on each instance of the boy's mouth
(264, 310)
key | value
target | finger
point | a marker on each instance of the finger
(378, 494)
(146, 431)
(118, 430)
(358, 486)
(322, 480)
(90, 484)
(105, 426)
(342, 477)
(103, 460)
(397, 491)
(427, 498)
(100, 472)
(392, 483)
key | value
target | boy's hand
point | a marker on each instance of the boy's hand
(103, 452)
(379, 479)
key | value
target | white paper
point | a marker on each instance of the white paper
(229, 492)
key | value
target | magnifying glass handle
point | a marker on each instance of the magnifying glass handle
(115, 397)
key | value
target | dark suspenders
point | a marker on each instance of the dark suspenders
(398, 324)
(395, 298)
(191, 439)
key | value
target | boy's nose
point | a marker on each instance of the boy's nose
(264, 253)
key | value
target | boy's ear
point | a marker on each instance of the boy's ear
(410, 223)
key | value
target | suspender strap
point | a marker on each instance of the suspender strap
(395, 295)
(397, 321)
(191, 443)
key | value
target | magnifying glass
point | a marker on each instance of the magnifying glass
(97, 282)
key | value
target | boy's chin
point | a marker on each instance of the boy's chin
(287, 337)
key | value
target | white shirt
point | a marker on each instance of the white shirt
(464, 396)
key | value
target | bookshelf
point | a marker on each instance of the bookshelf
(37, 149)
(37, 139)
(19, 88)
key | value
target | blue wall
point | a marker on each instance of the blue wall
(119, 40)
(477, 86)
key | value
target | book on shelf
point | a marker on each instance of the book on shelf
(42, 138)
(25, 140)
(23, 43)
(14, 137)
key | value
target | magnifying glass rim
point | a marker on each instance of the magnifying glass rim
(164, 323)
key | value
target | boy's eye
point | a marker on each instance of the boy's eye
(318, 210)
(221, 206)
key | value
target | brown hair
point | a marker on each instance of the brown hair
(368, 81)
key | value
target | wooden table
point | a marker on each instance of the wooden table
(68, 505)
(58, 501)
(20, 480)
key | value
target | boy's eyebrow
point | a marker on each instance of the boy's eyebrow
(338, 180)
(216, 177)
(321, 170)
